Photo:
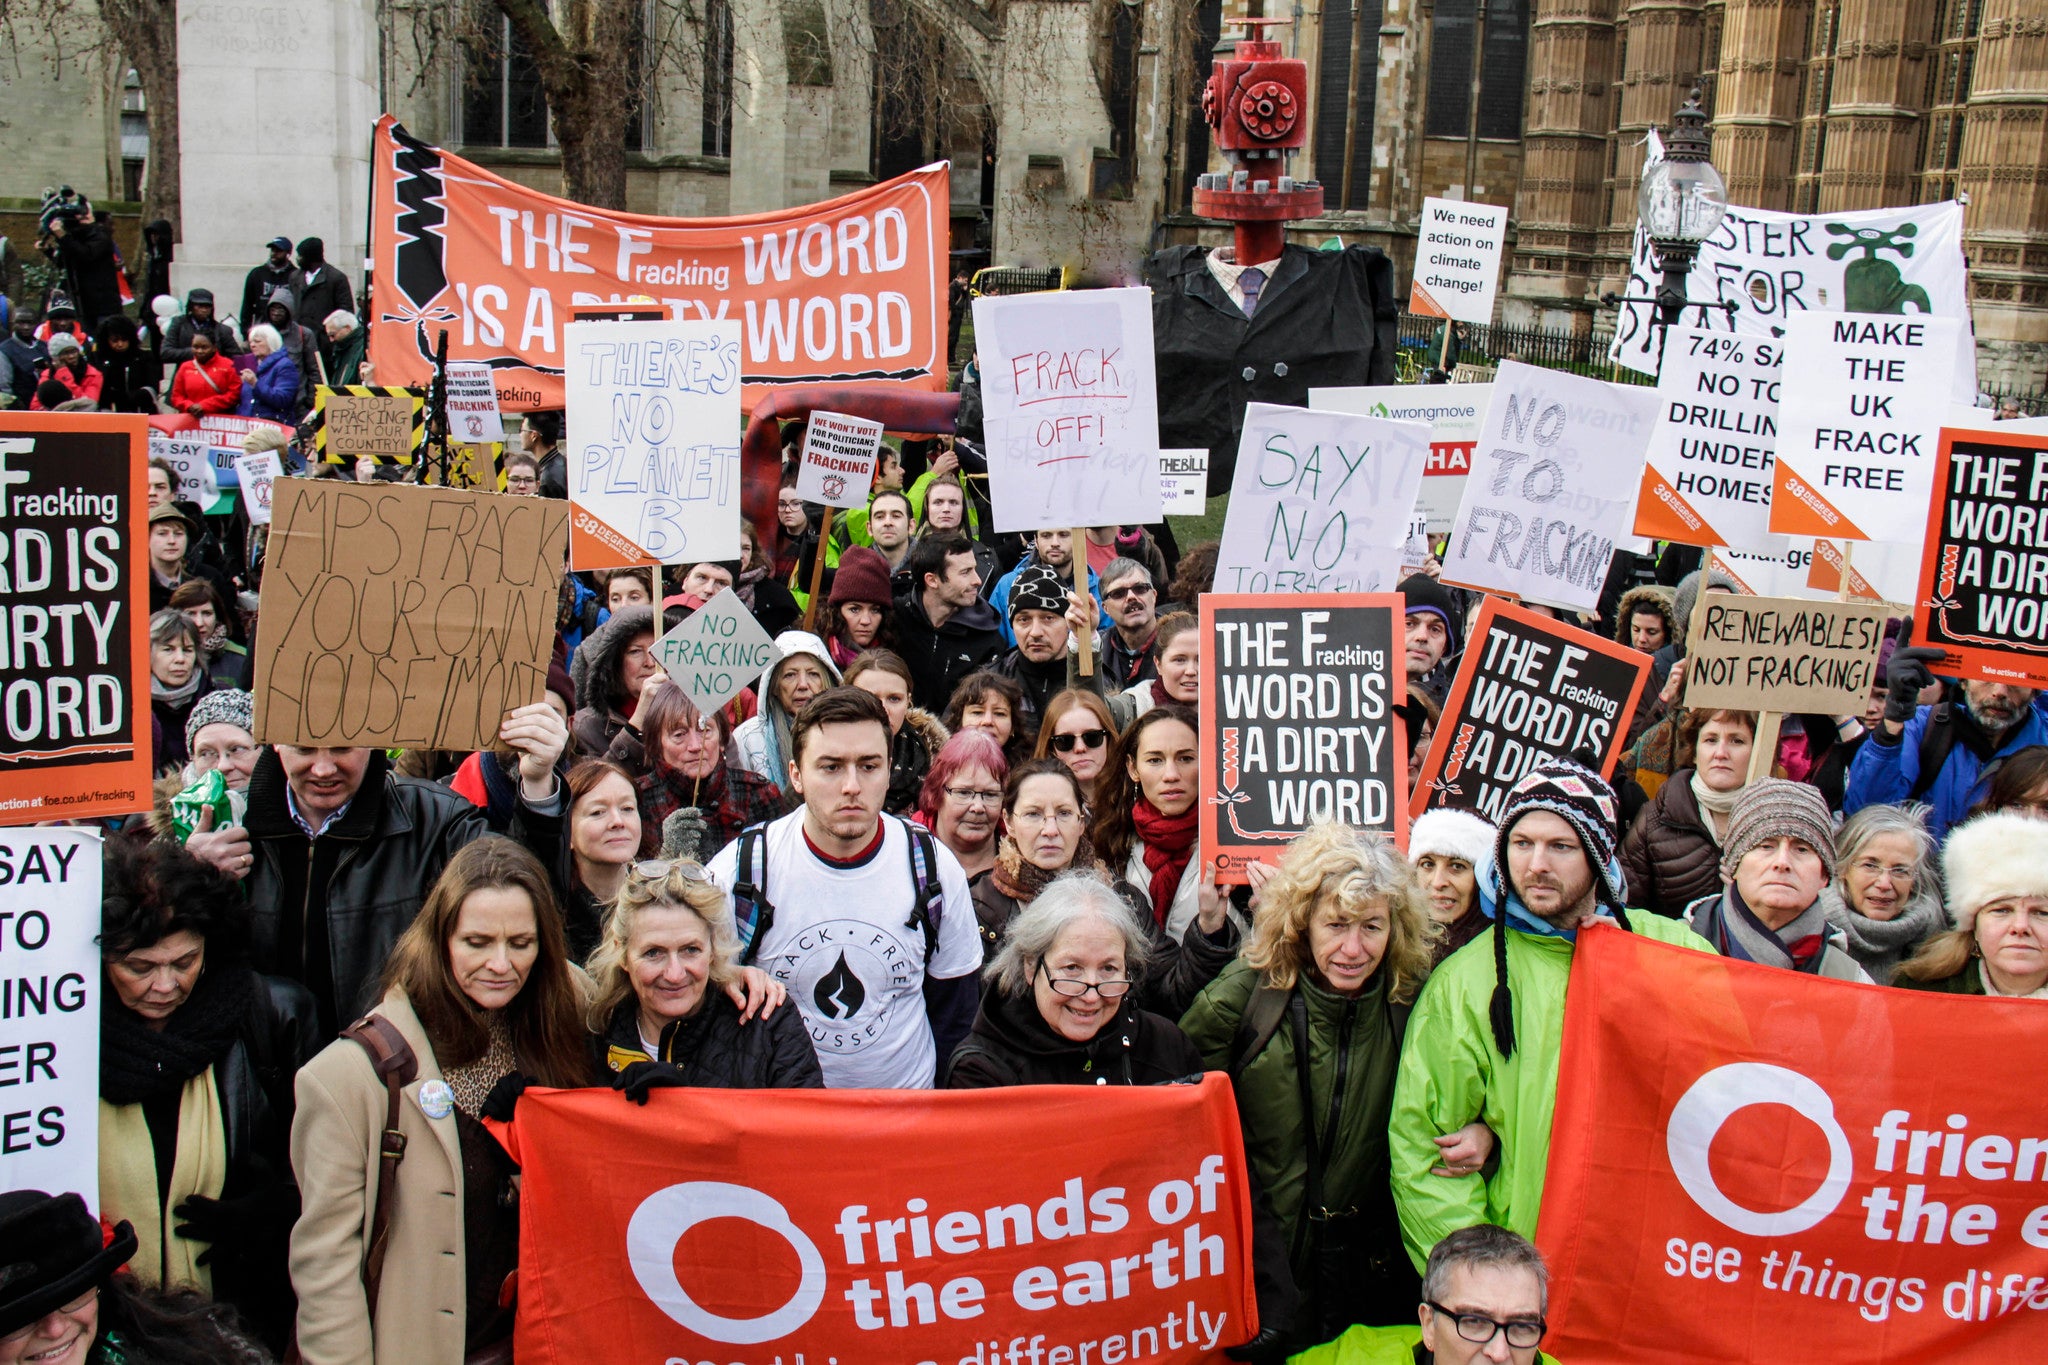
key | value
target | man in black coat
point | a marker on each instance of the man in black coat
(84, 249)
(275, 273)
(944, 630)
(318, 291)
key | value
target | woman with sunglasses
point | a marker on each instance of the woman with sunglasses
(1078, 730)
(962, 799)
(661, 1014)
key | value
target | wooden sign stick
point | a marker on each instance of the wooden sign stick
(1764, 751)
(818, 569)
(1087, 641)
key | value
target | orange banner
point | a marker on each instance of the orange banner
(1046, 1225)
(848, 291)
(74, 656)
(1750, 1165)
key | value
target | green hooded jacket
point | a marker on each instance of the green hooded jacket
(1354, 1037)
(1373, 1346)
(1451, 1074)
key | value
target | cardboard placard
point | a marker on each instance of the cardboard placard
(75, 654)
(1857, 432)
(259, 473)
(1707, 471)
(1455, 414)
(838, 465)
(400, 616)
(473, 416)
(1184, 482)
(1319, 501)
(718, 650)
(1529, 688)
(375, 424)
(1984, 581)
(50, 1041)
(1553, 482)
(654, 442)
(1457, 260)
(1070, 412)
(1297, 721)
(1782, 654)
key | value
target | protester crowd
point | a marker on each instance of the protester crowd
(626, 892)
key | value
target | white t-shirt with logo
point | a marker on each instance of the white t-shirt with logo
(842, 945)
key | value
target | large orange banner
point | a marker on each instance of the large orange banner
(848, 291)
(1750, 1165)
(1033, 1226)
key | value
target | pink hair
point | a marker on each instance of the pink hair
(966, 749)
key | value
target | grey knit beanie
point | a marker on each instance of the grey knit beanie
(1773, 808)
(229, 705)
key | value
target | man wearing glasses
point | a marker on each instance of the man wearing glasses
(1132, 601)
(1484, 1295)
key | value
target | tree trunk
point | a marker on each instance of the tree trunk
(588, 60)
(592, 134)
(147, 33)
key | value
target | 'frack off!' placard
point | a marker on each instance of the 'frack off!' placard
(1529, 688)
(1552, 481)
(404, 617)
(654, 434)
(1856, 433)
(1296, 725)
(1319, 502)
(50, 984)
(1782, 654)
(1985, 579)
(1070, 411)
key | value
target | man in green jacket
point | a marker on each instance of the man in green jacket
(1486, 1035)
(1485, 1294)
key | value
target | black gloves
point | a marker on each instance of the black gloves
(1908, 674)
(640, 1077)
(266, 1208)
(504, 1097)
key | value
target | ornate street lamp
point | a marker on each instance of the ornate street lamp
(1681, 201)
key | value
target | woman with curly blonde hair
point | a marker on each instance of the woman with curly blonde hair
(1308, 1022)
(667, 1008)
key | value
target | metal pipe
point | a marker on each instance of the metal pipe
(1472, 107)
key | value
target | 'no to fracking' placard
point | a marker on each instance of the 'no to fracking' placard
(654, 431)
(1856, 433)
(1070, 411)
(1552, 480)
(716, 651)
(1984, 584)
(1319, 502)
(1296, 723)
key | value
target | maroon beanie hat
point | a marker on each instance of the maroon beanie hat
(863, 576)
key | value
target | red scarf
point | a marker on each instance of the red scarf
(1169, 843)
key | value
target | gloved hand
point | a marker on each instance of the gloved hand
(641, 1077)
(246, 1220)
(683, 834)
(1909, 673)
(1269, 1347)
(504, 1097)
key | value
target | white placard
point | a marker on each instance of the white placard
(1553, 482)
(654, 433)
(50, 1032)
(192, 458)
(1319, 502)
(720, 649)
(1184, 482)
(1069, 410)
(1457, 261)
(1858, 430)
(473, 416)
(1875, 571)
(258, 473)
(838, 466)
(1778, 266)
(1707, 473)
(1779, 572)
(1455, 412)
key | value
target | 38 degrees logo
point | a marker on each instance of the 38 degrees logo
(1715, 1098)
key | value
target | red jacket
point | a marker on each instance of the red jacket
(191, 387)
(87, 386)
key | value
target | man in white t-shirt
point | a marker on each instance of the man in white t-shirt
(866, 919)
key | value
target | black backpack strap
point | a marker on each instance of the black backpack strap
(1261, 1020)
(1937, 741)
(753, 914)
(928, 893)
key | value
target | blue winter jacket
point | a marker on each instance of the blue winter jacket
(1884, 774)
(275, 394)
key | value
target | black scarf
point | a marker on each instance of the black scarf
(138, 1063)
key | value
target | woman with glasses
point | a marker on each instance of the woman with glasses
(915, 734)
(1885, 897)
(218, 735)
(962, 799)
(197, 1052)
(661, 1014)
(1078, 730)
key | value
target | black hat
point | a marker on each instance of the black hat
(1040, 587)
(51, 1252)
(1426, 594)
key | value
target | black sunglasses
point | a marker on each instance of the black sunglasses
(1087, 739)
